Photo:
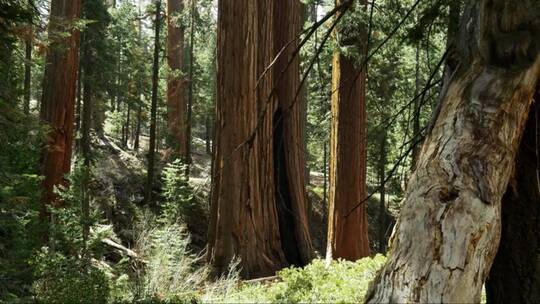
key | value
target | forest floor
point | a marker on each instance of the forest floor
(120, 174)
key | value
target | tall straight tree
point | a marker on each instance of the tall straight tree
(189, 116)
(176, 102)
(448, 232)
(28, 45)
(58, 100)
(289, 130)
(348, 233)
(248, 220)
(153, 108)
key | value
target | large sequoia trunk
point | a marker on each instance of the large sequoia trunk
(289, 136)
(515, 274)
(176, 103)
(58, 100)
(258, 210)
(348, 233)
(448, 231)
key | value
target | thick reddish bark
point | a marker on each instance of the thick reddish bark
(252, 169)
(348, 233)
(58, 100)
(176, 103)
(289, 133)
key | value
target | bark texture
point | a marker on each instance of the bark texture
(176, 102)
(515, 274)
(247, 220)
(449, 228)
(153, 109)
(348, 234)
(58, 100)
(289, 135)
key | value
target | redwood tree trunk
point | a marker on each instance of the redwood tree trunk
(248, 172)
(176, 103)
(58, 100)
(515, 274)
(289, 136)
(348, 233)
(448, 231)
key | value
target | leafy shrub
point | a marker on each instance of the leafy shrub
(170, 273)
(177, 192)
(339, 282)
(65, 279)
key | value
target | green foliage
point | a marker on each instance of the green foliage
(21, 140)
(170, 273)
(65, 268)
(339, 282)
(177, 192)
(67, 279)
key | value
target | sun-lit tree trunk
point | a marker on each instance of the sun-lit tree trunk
(348, 233)
(251, 169)
(189, 119)
(176, 102)
(448, 231)
(515, 274)
(153, 109)
(58, 100)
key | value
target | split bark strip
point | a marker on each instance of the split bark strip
(449, 228)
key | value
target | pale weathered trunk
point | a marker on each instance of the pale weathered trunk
(348, 233)
(58, 100)
(448, 231)
(246, 218)
(515, 274)
(176, 103)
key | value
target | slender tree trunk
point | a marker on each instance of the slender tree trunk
(325, 173)
(449, 228)
(78, 109)
(515, 274)
(139, 83)
(176, 103)
(128, 122)
(252, 169)
(191, 84)
(138, 129)
(417, 108)
(382, 203)
(27, 71)
(208, 134)
(86, 139)
(153, 108)
(58, 100)
(348, 233)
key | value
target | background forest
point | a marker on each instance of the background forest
(195, 151)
